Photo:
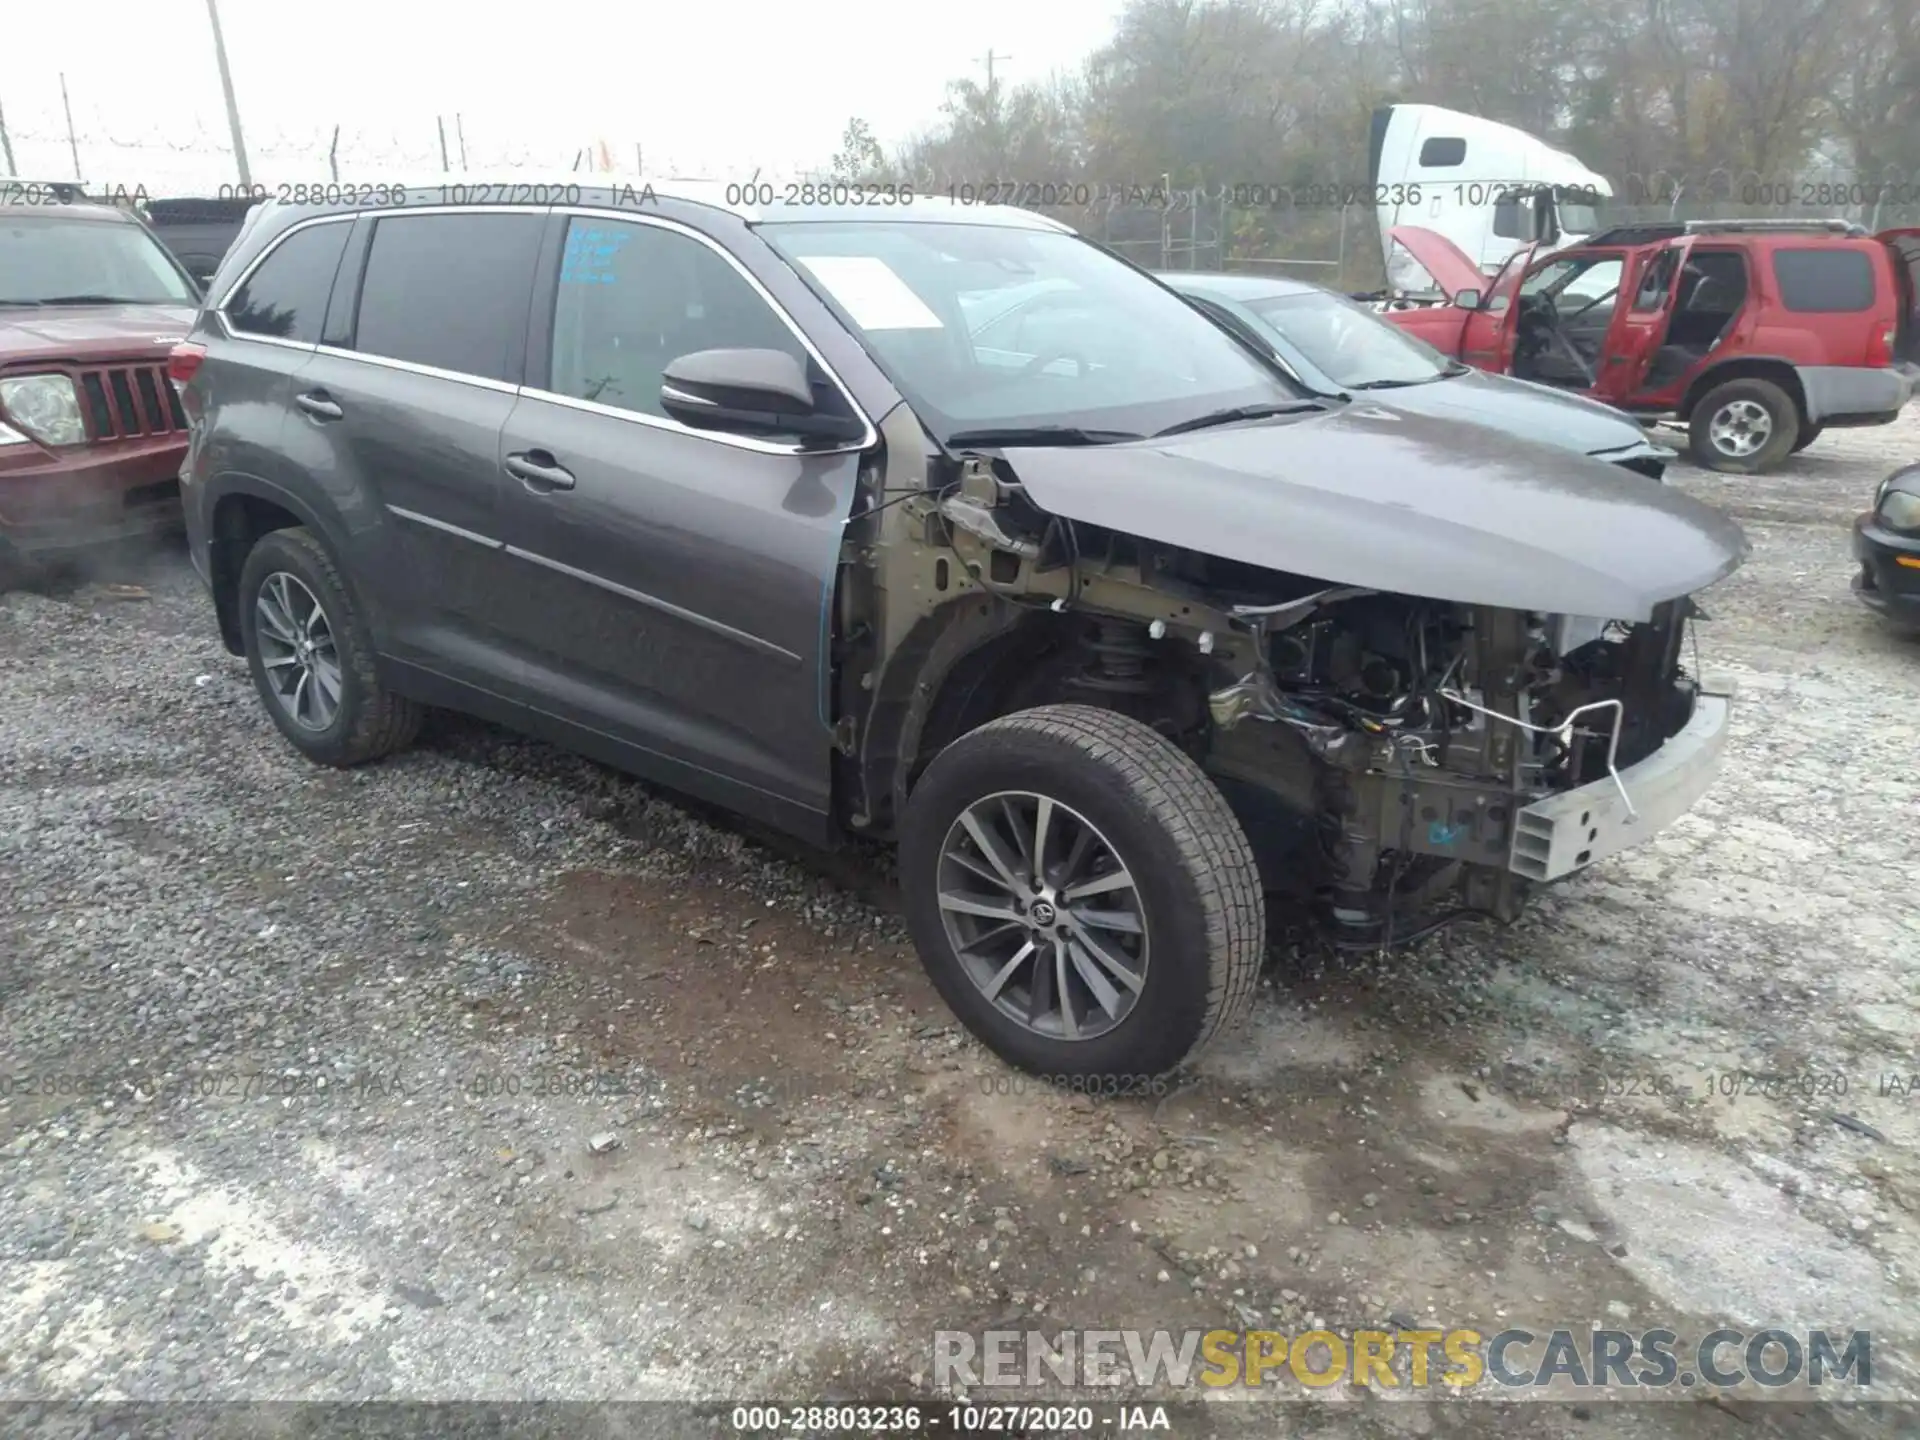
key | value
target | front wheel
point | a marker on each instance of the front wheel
(1744, 427)
(1081, 894)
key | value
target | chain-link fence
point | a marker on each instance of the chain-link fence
(1338, 245)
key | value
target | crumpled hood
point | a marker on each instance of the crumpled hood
(89, 332)
(1526, 410)
(1364, 495)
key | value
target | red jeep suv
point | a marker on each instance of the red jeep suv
(92, 436)
(1755, 335)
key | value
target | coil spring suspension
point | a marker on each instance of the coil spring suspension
(1119, 665)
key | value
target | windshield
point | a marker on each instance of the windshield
(990, 328)
(1348, 345)
(43, 258)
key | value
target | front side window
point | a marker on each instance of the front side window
(286, 295)
(1577, 282)
(1579, 210)
(1353, 348)
(56, 260)
(633, 298)
(984, 327)
(449, 291)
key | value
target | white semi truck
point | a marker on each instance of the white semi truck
(1489, 188)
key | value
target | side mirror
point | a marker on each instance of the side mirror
(1468, 299)
(748, 390)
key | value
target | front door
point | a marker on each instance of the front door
(671, 583)
(1487, 342)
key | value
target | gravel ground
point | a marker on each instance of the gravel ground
(489, 1074)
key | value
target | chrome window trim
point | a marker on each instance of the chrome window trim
(432, 372)
(870, 435)
(868, 438)
(219, 311)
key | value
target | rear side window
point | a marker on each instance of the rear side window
(286, 295)
(1824, 281)
(1443, 151)
(634, 298)
(449, 291)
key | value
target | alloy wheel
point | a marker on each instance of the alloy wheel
(1043, 914)
(297, 651)
(1740, 428)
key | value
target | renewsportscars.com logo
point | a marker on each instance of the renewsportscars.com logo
(1506, 1361)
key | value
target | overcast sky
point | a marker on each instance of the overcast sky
(706, 88)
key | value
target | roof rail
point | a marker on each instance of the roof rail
(1832, 227)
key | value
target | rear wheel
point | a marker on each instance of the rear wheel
(1744, 427)
(1808, 435)
(1080, 894)
(312, 656)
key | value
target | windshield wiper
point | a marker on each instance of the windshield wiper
(1240, 412)
(1395, 384)
(1038, 435)
(91, 300)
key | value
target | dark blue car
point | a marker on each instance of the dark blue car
(1336, 348)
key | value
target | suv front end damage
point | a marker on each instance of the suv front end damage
(1470, 752)
(1397, 761)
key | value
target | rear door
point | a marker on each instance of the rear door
(1488, 338)
(399, 417)
(1651, 292)
(259, 340)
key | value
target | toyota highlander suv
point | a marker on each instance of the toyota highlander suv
(1112, 629)
(92, 435)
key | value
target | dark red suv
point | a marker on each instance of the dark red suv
(92, 436)
(1755, 335)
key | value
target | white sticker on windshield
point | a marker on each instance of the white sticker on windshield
(874, 296)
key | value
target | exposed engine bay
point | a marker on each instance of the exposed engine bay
(1378, 748)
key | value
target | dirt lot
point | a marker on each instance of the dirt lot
(306, 1066)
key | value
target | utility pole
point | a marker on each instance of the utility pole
(333, 155)
(73, 142)
(6, 145)
(441, 122)
(987, 60)
(460, 130)
(226, 86)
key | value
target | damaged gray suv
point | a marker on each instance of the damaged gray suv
(1117, 636)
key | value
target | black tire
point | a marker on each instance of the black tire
(370, 722)
(1808, 435)
(1783, 420)
(1197, 883)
